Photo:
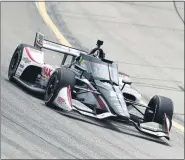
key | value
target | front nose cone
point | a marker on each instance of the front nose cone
(114, 97)
(119, 107)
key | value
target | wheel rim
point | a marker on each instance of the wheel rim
(51, 87)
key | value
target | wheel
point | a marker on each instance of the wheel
(14, 63)
(62, 77)
(15, 60)
(158, 106)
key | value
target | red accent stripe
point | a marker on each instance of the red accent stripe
(30, 56)
(166, 122)
(100, 101)
(69, 95)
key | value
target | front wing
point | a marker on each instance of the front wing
(65, 101)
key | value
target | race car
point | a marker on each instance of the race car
(90, 84)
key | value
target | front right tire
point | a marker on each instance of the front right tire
(158, 106)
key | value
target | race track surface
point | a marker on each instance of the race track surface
(31, 130)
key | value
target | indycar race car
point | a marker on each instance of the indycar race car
(90, 84)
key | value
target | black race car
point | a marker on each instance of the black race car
(89, 84)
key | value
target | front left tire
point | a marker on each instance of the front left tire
(62, 77)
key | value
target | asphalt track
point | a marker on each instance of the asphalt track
(31, 130)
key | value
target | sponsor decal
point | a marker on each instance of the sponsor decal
(59, 47)
(21, 66)
(152, 128)
(61, 100)
(31, 57)
(35, 50)
(82, 61)
(53, 44)
(26, 60)
(39, 39)
(46, 72)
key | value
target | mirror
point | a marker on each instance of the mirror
(127, 81)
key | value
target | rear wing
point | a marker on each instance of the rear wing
(40, 43)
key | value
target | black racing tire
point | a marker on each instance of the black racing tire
(62, 77)
(14, 63)
(16, 59)
(158, 106)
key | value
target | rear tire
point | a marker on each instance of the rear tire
(62, 77)
(159, 105)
